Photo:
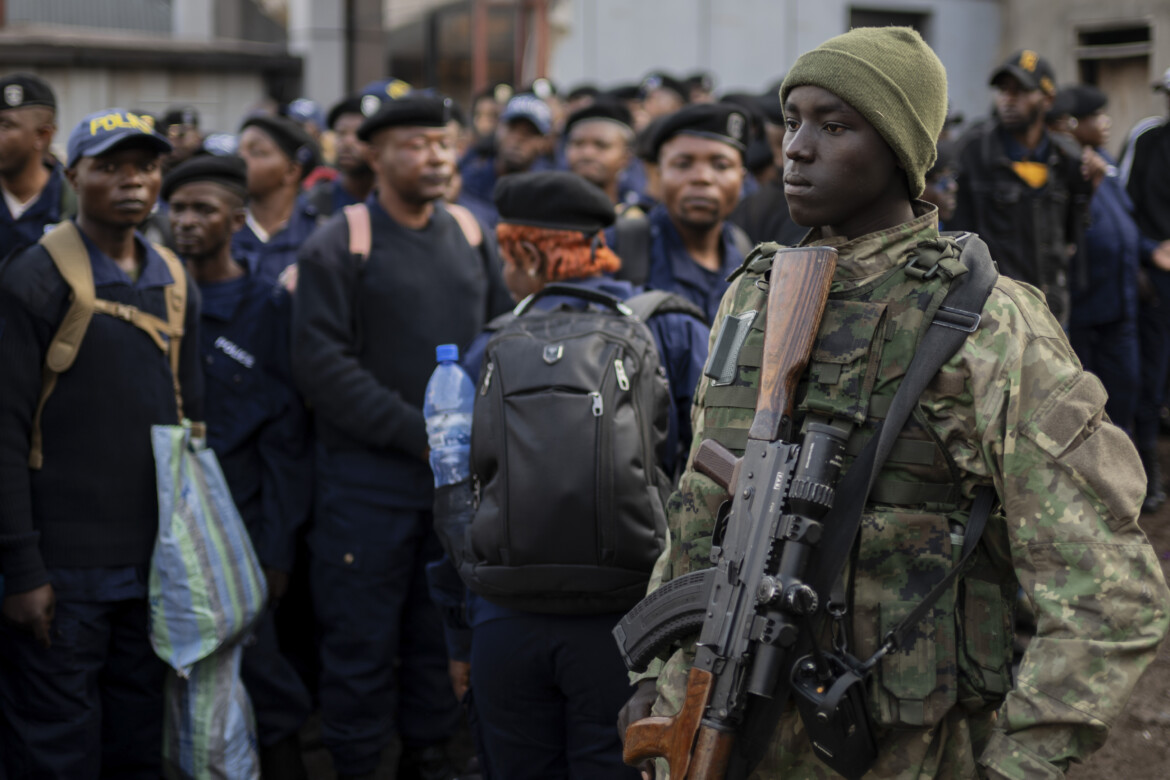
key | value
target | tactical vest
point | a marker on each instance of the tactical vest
(912, 530)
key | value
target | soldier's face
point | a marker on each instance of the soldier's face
(700, 180)
(415, 162)
(204, 215)
(118, 188)
(839, 173)
(598, 152)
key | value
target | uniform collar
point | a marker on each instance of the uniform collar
(223, 300)
(154, 269)
(684, 267)
(864, 257)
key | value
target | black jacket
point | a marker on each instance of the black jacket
(1032, 233)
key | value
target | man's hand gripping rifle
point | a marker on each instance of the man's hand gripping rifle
(751, 606)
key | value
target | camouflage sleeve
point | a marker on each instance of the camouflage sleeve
(1072, 486)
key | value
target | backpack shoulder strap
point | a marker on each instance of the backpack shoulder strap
(357, 216)
(470, 226)
(176, 297)
(67, 251)
(646, 305)
(632, 237)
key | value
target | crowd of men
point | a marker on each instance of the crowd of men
(308, 355)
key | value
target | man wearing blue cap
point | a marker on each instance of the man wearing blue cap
(79, 682)
(521, 141)
(32, 183)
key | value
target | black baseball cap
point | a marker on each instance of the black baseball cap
(1030, 69)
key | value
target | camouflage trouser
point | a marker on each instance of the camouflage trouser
(943, 751)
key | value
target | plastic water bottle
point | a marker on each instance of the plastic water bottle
(447, 408)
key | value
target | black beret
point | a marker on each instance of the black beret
(296, 144)
(231, 172)
(350, 105)
(625, 92)
(1080, 100)
(583, 91)
(413, 110)
(610, 110)
(660, 80)
(18, 90)
(181, 115)
(716, 121)
(644, 143)
(555, 200)
(701, 79)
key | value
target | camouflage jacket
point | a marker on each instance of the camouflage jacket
(1012, 409)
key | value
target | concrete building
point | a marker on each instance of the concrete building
(221, 56)
(1114, 46)
(748, 44)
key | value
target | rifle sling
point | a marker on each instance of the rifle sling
(943, 338)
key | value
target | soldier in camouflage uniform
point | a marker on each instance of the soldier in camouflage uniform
(1012, 409)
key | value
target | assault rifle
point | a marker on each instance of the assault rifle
(749, 609)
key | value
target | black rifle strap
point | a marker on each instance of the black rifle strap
(957, 317)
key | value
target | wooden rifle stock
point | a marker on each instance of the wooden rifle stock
(798, 289)
(692, 749)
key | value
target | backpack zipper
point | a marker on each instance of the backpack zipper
(487, 378)
(598, 405)
(622, 379)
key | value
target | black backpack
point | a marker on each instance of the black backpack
(571, 414)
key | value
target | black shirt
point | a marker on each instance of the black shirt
(364, 333)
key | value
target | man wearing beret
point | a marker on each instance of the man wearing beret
(256, 424)
(763, 215)
(279, 219)
(1024, 190)
(691, 246)
(355, 178)
(1012, 412)
(662, 94)
(363, 344)
(33, 184)
(599, 143)
(79, 682)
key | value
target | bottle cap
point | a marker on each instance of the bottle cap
(445, 352)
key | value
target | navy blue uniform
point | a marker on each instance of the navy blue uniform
(92, 704)
(364, 337)
(266, 259)
(258, 428)
(674, 270)
(1104, 301)
(547, 688)
(47, 210)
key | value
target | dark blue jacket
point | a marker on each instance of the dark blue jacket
(256, 422)
(45, 212)
(1105, 271)
(682, 349)
(673, 269)
(266, 260)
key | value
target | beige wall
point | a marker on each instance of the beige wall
(1053, 27)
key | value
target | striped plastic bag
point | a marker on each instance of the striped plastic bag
(206, 584)
(209, 732)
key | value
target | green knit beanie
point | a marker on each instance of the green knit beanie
(892, 78)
